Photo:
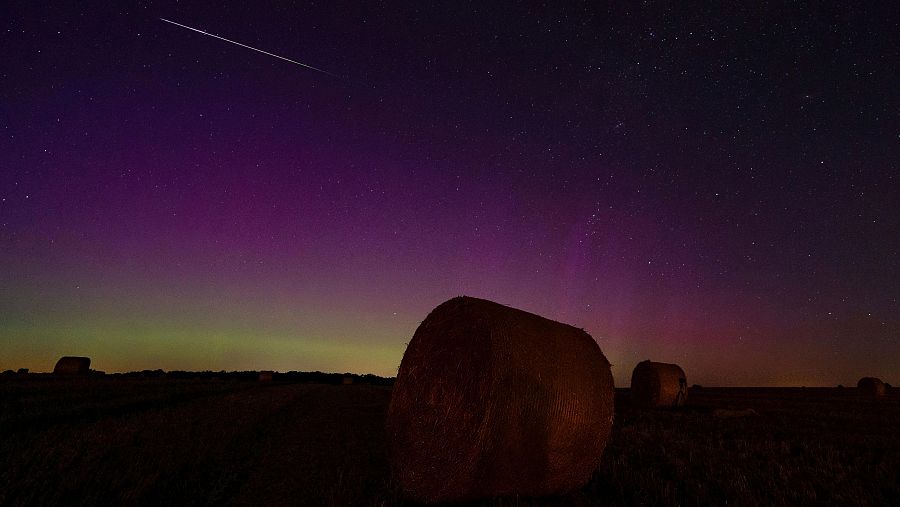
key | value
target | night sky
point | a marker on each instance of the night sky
(717, 188)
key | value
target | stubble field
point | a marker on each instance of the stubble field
(199, 442)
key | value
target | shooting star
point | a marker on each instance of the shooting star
(249, 47)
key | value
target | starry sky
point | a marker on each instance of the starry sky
(715, 186)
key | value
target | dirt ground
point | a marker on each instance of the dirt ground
(200, 442)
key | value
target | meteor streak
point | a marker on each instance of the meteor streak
(249, 47)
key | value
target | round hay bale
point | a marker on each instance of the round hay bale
(493, 401)
(266, 375)
(871, 386)
(348, 380)
(658, 385)
(72, 365)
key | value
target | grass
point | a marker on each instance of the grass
(805, 446)
(164, 441)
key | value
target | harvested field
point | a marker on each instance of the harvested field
(165, 441)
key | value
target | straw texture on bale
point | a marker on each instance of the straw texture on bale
(492, 401)
(871, 386)
(71, 365)
(658, 385)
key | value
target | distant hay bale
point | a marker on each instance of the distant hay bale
(266, 376)
(658, 385)
(493, 401)
(347, 381)
(72, 365)
(871, 386)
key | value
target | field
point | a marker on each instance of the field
(198, 442)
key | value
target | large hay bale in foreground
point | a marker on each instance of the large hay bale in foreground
(658, 385)
(492, 401)
(871, 386)
(72, 365)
